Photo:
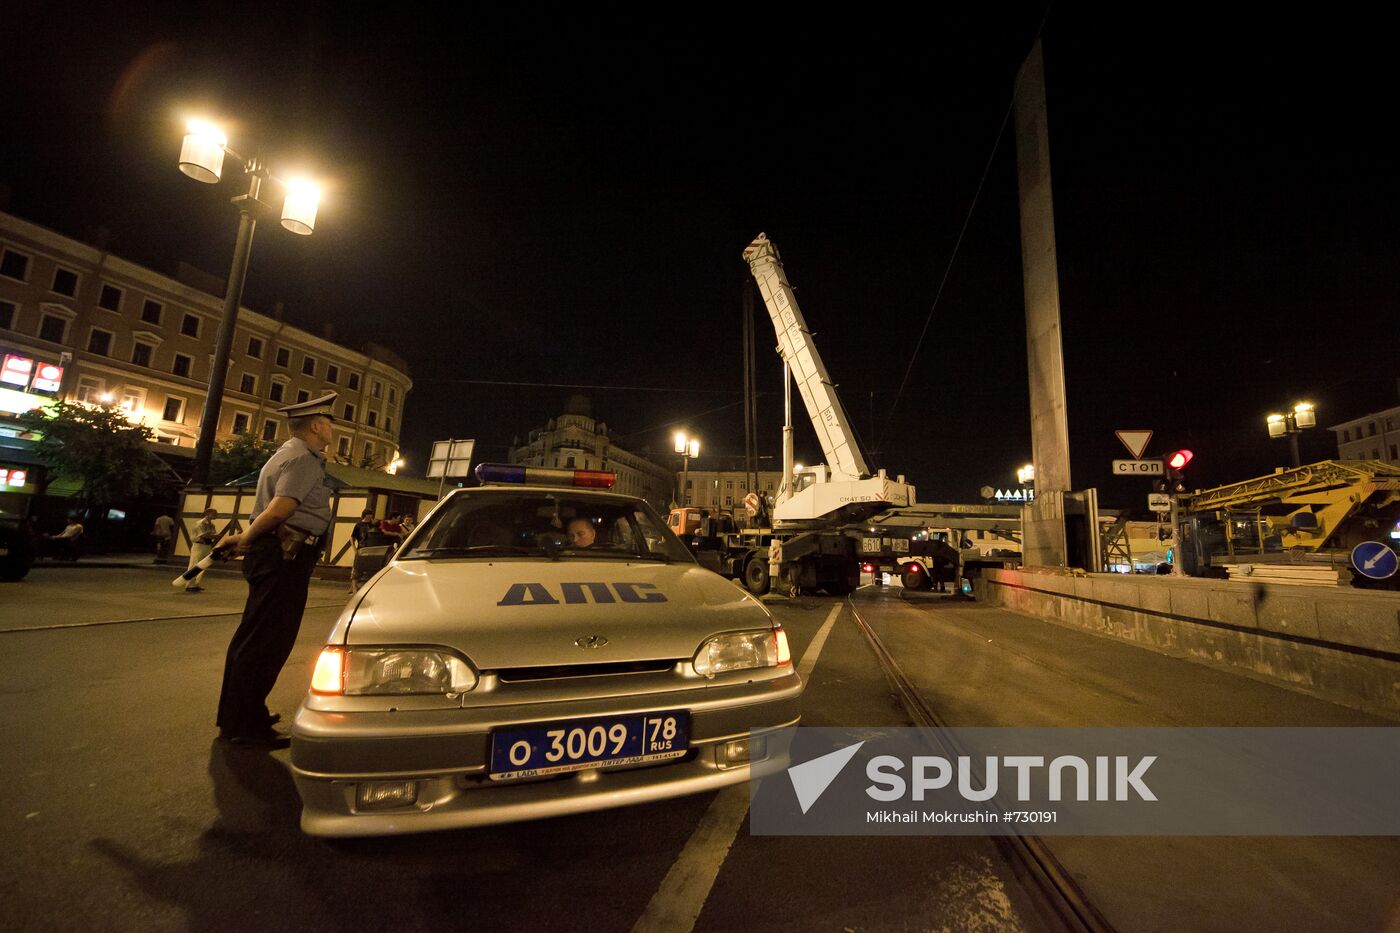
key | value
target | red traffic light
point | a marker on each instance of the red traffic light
(1179, 459)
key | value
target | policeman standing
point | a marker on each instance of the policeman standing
(290, 516)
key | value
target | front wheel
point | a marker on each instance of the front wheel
(756, 577)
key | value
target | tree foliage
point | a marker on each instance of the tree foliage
(99, 448)
(241, 455)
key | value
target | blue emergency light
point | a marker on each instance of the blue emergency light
(543, 476)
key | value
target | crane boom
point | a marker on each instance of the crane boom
(795, 346)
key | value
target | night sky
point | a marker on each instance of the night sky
(562, 198)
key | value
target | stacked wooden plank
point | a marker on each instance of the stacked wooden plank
(1286, 574)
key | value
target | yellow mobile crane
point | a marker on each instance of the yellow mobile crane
(1313, 514)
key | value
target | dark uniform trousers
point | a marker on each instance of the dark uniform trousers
(259, 649)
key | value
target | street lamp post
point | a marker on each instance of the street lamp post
(687, 447)
(1292, 424)
(202, 158)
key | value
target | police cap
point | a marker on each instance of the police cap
(325, 405)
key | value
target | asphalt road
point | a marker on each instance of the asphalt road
(124, 813)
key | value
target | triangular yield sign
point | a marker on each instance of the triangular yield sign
(1135, 441)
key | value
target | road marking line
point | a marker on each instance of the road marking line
(814, 650)
(681, 896)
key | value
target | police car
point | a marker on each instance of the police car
(539, 645)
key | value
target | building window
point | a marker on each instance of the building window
(248, 384)
(100, 342)
(1346, 435)
(303, 396)
(151, 311)
(350, 413)
(375, 388)
(1371, 429)
(393, 396)
(729, 484)
(174, 409)
(53, 328)
(110, 298)
(182, 365)
(354, 383)
(141, 353)
(343, 448)
(189, 325)
(240, 423)
(269, 430)
(284, 357)
(89, 390)
(133, 400)
(255, 347)
(8, 311)
(65, 282)
(1394, 452)
(308, 365)
(275, 393)
(369, 451)
(14, 265)
(389, 429)
(372, 419)
(332, 372)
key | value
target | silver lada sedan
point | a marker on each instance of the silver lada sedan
(535, 650)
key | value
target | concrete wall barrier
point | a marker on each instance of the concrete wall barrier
(1340, 645)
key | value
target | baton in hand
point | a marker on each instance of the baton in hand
(203, 565)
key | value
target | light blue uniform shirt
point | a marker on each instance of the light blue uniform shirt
(297, 472)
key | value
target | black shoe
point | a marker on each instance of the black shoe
(269, 739)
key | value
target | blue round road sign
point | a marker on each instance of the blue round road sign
(1374, 559)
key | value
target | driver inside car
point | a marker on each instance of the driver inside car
(581, 532)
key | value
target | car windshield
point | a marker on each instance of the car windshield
(550, 524)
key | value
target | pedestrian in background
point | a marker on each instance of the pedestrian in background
(201, 546)
(360, 536)
(392, 525)
(164, 535)
(290, 516)
(408, 524)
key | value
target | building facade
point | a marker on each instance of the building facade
(576, 440)
(725, 489)
(1371, 437)
(121, 334)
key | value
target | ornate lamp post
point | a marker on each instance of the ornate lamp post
(687, 447)
(1292, 424)
(202, 158)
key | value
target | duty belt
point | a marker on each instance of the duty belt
(308, 537)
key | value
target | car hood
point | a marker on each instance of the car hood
(507, 614)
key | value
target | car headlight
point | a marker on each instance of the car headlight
(352, 671)
(737, 651)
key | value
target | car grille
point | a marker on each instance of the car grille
(512, 675)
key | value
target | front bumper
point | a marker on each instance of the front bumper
(446, 752)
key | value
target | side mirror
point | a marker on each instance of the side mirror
(371, 560)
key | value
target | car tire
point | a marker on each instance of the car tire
(914, 580)
(756, 577)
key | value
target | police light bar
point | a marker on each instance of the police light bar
(543, 476)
